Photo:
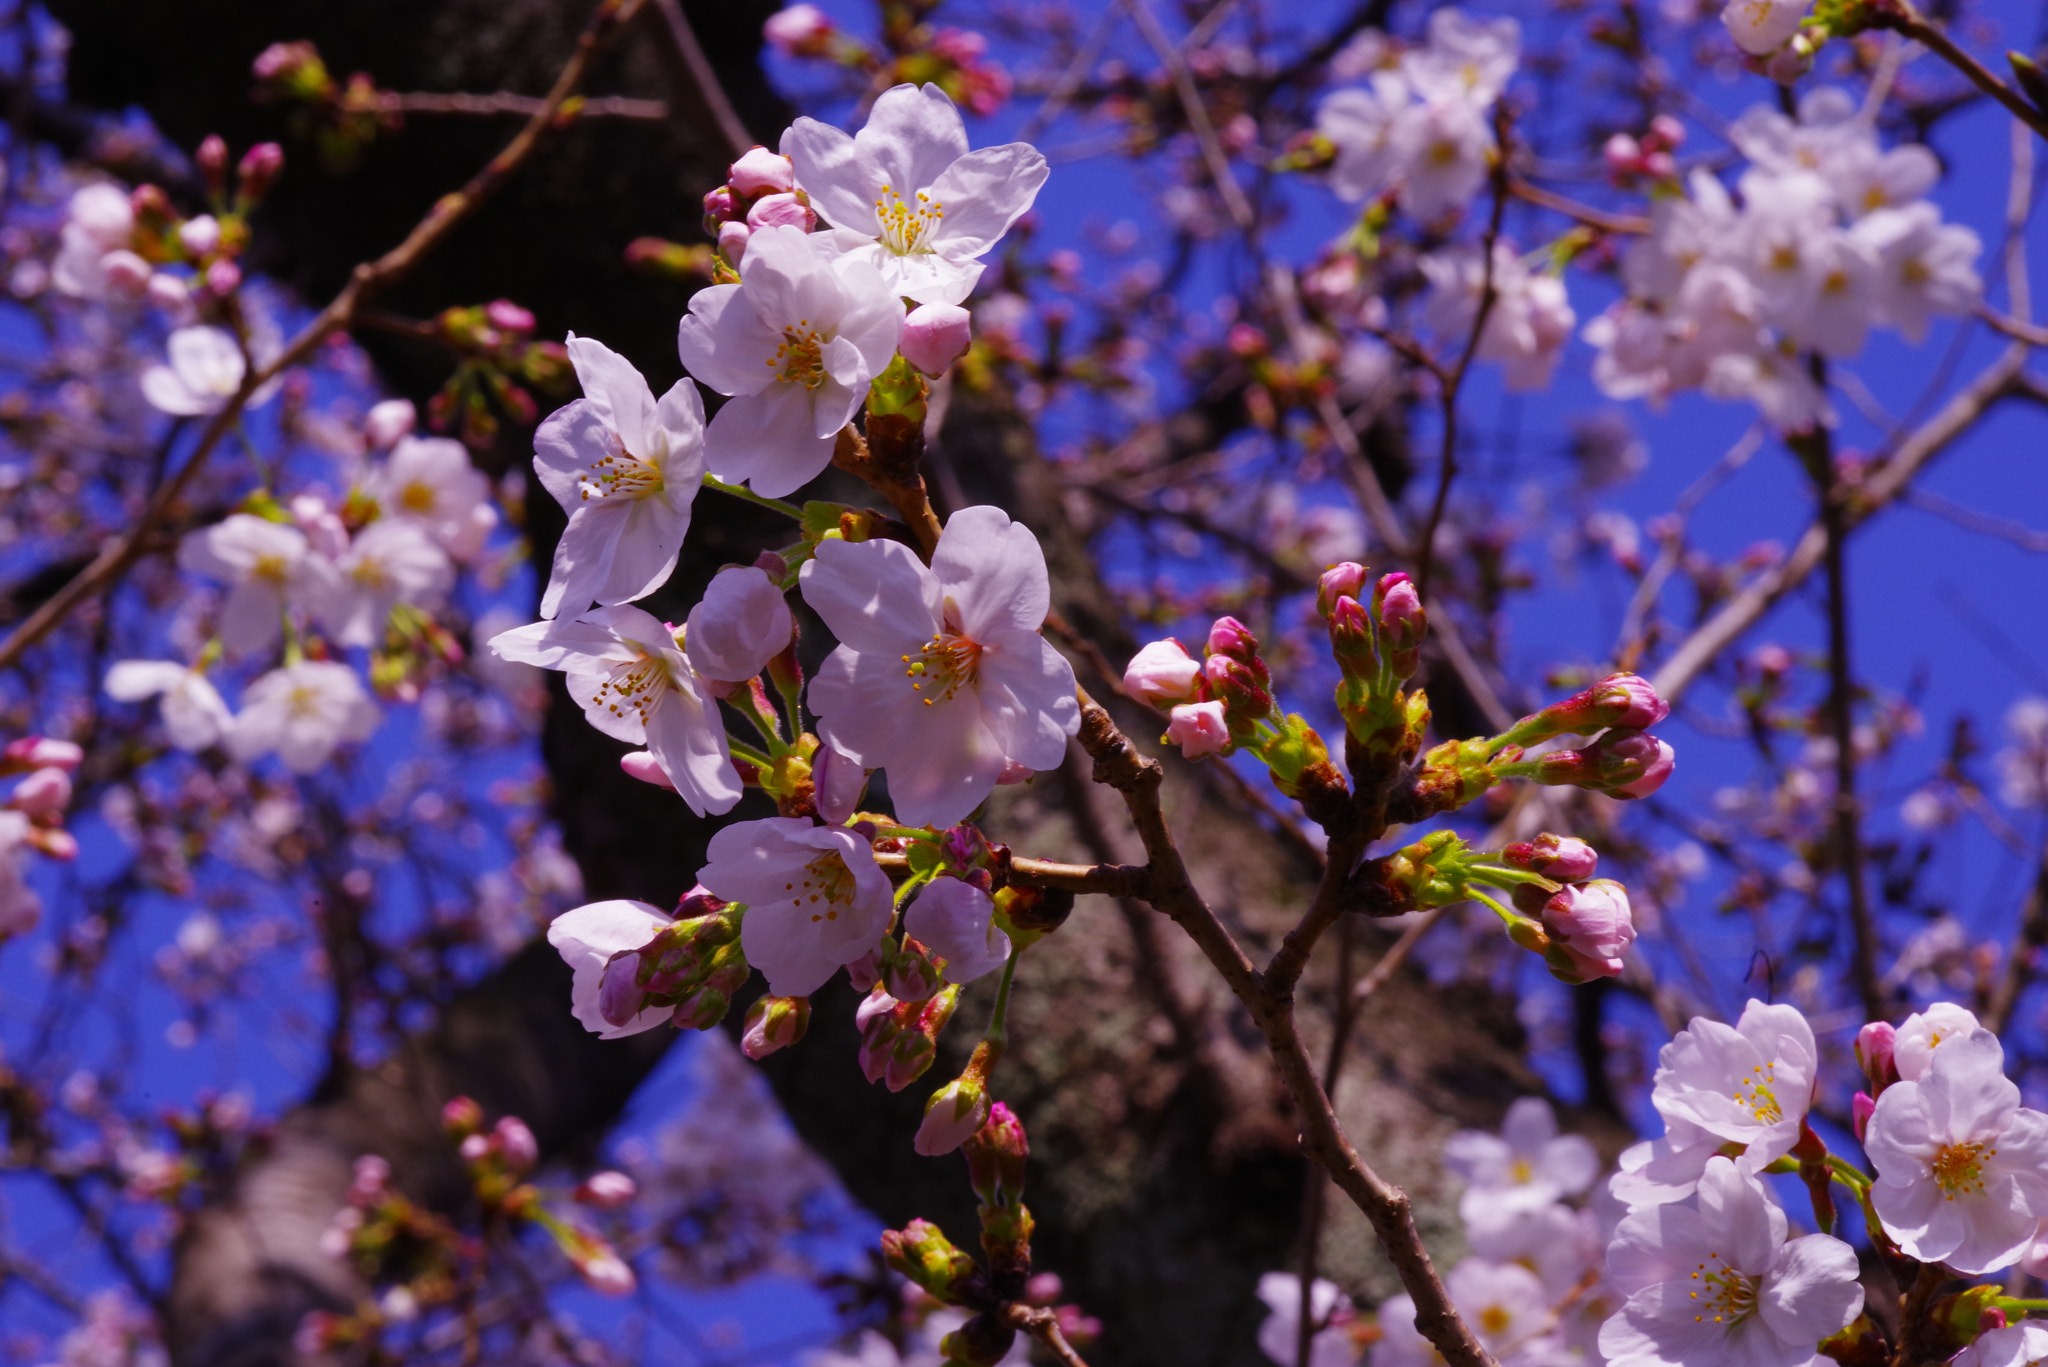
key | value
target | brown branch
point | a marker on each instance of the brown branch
(702, 77)
(1190, 96)
(1110, 880)
(526, 106)
(1902, 16)
(2019, 960)
(1385, 1206)
(1044, 1326)
(366, 281)
(1620, 224)
(1883, 486)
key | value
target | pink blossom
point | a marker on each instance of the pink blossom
(741, 624)
(43, 795)
(935, 336)
(388, 421)
(1198, 728)
(1591, 923)
(761, 172)
(815, 897)
(608, 1190)
(799, 31)
(952, 1116)
(1161, 674)
(781, 211)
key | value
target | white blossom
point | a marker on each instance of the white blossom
(431, 482)
(941, 676)
(1529, 1164)
(267, 566)
(795, 343)
(389, 562)
(194, 715)
(304, 712)
(816, 899)
(1749, 1083)
(205, 370)
(1331, 1345)
(587, 938)
(906, 196)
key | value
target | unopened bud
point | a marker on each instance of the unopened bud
(910, 974)
(1397, 607)
(260, 168)
(1232, 638)
(462, 1117)
(922, 1252)
(1346, 580)
(1861, 1107)
(389, 420)
(779, 211)
(1633, 764)
(799, 31)
(983, 1341)
(1589, 925)
(702, 1009)
(1561, 858)
(996, 1155)
(1241, 687)
(917, 1046)
(199, 236)
(212, 160)
(952, 1116)
(607, 1190)
(732, 242)
(761, 172)
(507, 316)
(1035, 910)
(642, 764)
(774, 1023)
(720, 206)
(1162, 674)
(223, 277)
(40, 752)
(1876, 1054)
(935, 336)
(516, 1143)
(43, 795)
(1198, 728)
(1623, 155)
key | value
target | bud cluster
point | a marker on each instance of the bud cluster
(498, 369)
(1377, 649)
(693, 964)
(900, 1039)
(760, 191)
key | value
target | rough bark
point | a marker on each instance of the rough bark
(1167, 1178)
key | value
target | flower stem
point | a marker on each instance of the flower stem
(741, 491)
(998, 1033)
(742, 750)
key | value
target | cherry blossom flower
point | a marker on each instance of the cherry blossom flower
(956, 921)
(816, 899)
(1749, 1083)
(1162, 673)
(1329, 1309)
(941, 676)
(905, 195)
(741, 624)
(1722, 1284)
(1444, 146)
(625, 468)
(206, 369)
(1760, 27)
(1363, 126)
(1528, 1164)
(1530, 322)
(1504, 1304)
(1465, 58)
(304, 712)
(194, 715)
(267, 566)
(1962, 1167)
(389, 562)
(635, 685)
(98, 221)
(1923, 266)
(1923, 1032)
(588, 938)
(795, 343)
(935, 336)
(431, 482)
(2012, 1345)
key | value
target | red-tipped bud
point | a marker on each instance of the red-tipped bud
(761, 172)
(952, 1116)
(39, 752)
(996, 1156)
(1876, 1048)
(1861, 1107)
(462, 1118)
(1346, 580)
(1590, 925)
(1233, 639)
(1560, 858)
(516, 1143)
(1633, 764)
(260, 167)
(1351, 639)
(910, 974)
(212, 161)
(720, 206)
(774, 1023)
(1241, 687)
(1198, 728)
(1397, 607)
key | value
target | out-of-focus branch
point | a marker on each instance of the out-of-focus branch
(505, 102)
(368, 279)
(1904, 17)
(1043, 1325)
(1883, 486)
(2019, 959)
(1628, 225)
(1213, 155)
(703, 85)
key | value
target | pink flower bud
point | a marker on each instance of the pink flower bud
(509, 317)
(1590, 922)
(1625, 700)
(462, 1117)
(169, 292)
(260, 168)
(935, 336)
(516, 1142)
(223, 277)
(866, 971)
(952, 1116)
(910, 973)
(1198, 728)
(720, 206)
(474, 1149)
(1398, 607)
(837, 784)
(372, 1176)
(607, 1274)
(212, 160)
(1876, 1049)
(43, 795)
(1632, 764)
(126, 272)
(607, 1190)
(199, 236)
(1861, 1107)
(1162, 674)
(799, 31)
(774, 1023)
(1622, 154)
(1561, 858)
(1667, 133)
(996, 1156)
(642, 764)
(1660, 166)
(39, 752)
(761, 172)
(388, 421)
(784, 210)
(1232, 638)
(742, 623)
(1346, 580)
(1043, 1289)
(732, 241)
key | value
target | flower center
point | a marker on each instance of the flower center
(271, 569)
(801, 357)
(1754, 1094)
(1959, 1169)
(634, 687)
(623, 473)
(825, 877)
(1494, 1321)
(1522, 1171)
(1915, 272)
(942, 665)
(417, 497)
(1722, 1293)
(907, 225)
(303, 701)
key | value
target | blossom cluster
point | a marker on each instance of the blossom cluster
(1832, 236)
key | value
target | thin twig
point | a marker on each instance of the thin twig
(366, 281)
(704, 77)
(526, 106)
(1217, 160)
(1625, 224)
(2019, 960)
(1043, 1325)
(1902, 16)
(1969, 519)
